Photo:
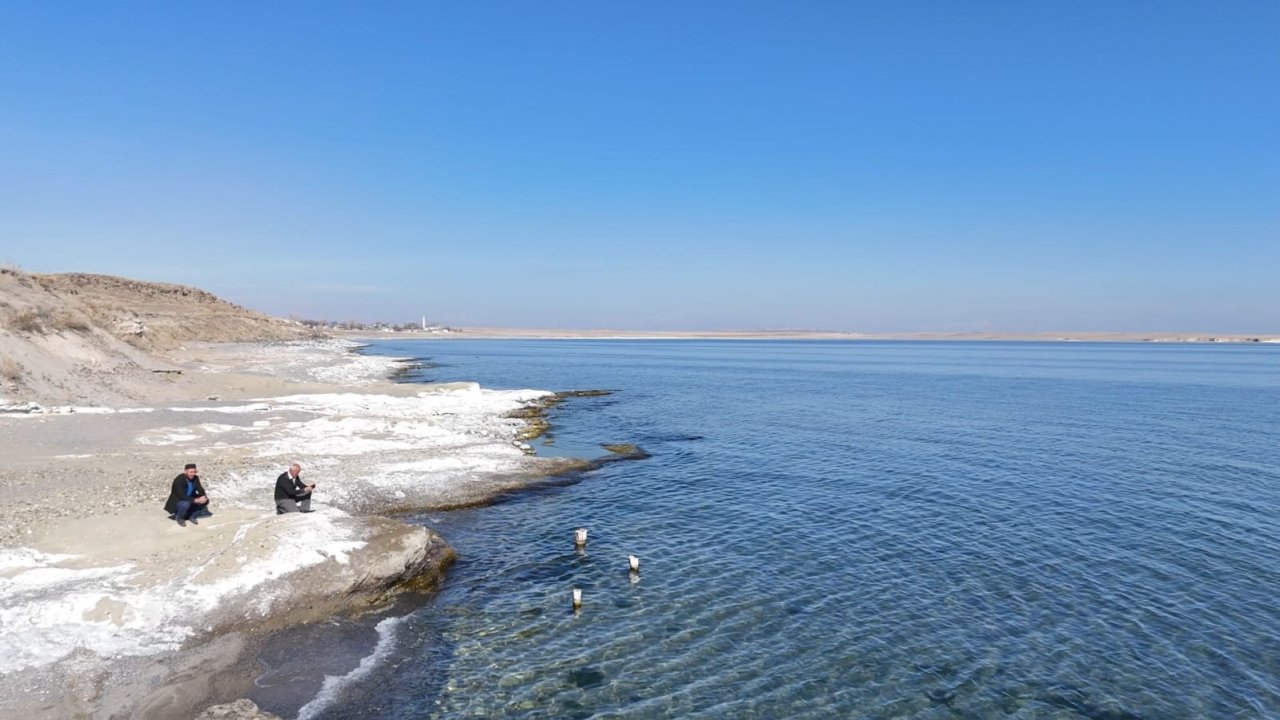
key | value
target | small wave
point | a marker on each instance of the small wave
(333, 685)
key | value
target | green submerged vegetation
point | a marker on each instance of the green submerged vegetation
(624, 451)
(406, 369)
(538, 426)
(535, 415)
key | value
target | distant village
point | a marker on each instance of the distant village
(419, 327)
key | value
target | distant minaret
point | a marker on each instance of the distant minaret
(424, 322)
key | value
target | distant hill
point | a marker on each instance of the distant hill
(72, 337)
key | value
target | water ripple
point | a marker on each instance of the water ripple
(872, 530)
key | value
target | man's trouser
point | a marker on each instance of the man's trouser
(187, 508)
(288, 505)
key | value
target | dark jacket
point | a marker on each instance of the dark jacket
(179, 492)
(290, 488)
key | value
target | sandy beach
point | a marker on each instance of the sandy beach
(114, 610)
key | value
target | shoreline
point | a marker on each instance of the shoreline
(485, 333)
(114, 610)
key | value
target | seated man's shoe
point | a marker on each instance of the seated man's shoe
(193, 520)
(182, 523)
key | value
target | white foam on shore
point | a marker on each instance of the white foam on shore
(335, 684)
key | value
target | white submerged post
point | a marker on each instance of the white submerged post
(580, 538)
(633, 562)
(577, 599)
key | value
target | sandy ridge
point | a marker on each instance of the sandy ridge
(95, 339)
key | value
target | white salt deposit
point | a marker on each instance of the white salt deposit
(329, 361)
(354, 445)
(43, 614)
(85, 410)
(34, 410)
(363, 441)
(227, 409)
(27, 558)
(50, 611)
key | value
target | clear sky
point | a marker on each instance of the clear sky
(887, 165)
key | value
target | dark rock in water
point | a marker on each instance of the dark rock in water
(535, 413)
(1075, 701)
(407, 367)
(242, 709)
(676, 437)
(944, 697)
(625, 451)
(573, 710)
(586, 677)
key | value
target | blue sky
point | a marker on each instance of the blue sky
(864, 166)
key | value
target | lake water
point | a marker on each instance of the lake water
(853, 529)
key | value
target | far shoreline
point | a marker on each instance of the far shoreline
(486, 333)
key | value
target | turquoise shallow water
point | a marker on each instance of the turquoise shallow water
(830, 529)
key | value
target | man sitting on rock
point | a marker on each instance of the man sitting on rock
(187, 497)
(293, 495)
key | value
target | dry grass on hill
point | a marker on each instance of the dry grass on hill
(79, 337)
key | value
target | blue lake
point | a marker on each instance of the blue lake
(858, 529)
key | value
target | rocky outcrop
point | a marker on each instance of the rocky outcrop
(242, 709)
(392, 555)
(254, 576)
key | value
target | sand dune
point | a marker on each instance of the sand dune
(96, 339)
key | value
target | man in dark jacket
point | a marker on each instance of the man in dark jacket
(293, 495)
(187, 497)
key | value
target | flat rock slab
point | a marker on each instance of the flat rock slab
(242, 709)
